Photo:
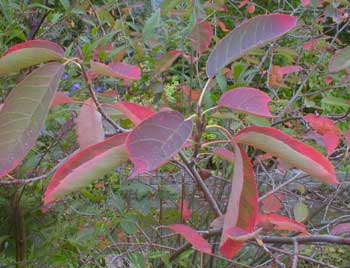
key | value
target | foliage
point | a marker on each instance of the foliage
(139, 121)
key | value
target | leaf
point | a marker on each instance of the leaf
(182, 205)
(251, 34)
(86, 166)
(224, 154)
(201, 36)
(136, 113)
(340, 229)
(273, 203)
(290, 150)
(165, 61)
(281, 223)
(246, 100)
(301, 212)
(277, 72)
(340, 60)
(60, 98)
(242, 207)
(89, 125)
(194, 93)
(152, 23)
(156, 140)
(29, 53)
(327, 129)
(24, 112)
(191, 235)
(116, 69)
(167, 5)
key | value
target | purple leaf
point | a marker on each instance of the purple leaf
(156, 140)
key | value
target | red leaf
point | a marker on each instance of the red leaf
(136, 113)
(182, 205)
(340, 229)
(89, 125)
(156, 140)
(305, 3)
(195, 93)
(290, 150)
(85, 166)
(281, 223)
(242, 207)
(37, 43)
(251, 8)
(60, 98)
(273, 203)
(201, 36)
(224, 153)
(327, 128)
(277, 72)
(115, 69)
(246, 100)
(328, 80)
(106, 48)
(249, 35)
(191, 235)
(222, 26)
(165, 61)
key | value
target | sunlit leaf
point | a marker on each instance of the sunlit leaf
(340, 60)
(290, 150)
(201, 36)
(191, 235)
(24, 112)
(29, 53)
(89, 125)
(251, 34)
(85, 166)
(156, 140)
(242, 207)
(246, 100)
(116, 69)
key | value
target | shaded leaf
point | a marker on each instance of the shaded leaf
(191, 235)
(277, 73)
(281, 223)
(246, 100)
(273, 203)
(242, 207)
(340, 229)
(182, 205)
(167, 5)
(116, 69)
(251, 34)
(86, 166)
(89, 125)
(201, 36)
(166, 60)
(135, 112)
(29, 53)
(194, 93)
(60, 98)
(151, 24)
(24, 112)
(156, 140)
(290, 150)
(301, 212)
(340, 60)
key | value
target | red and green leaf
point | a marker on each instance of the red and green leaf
(201, 36)
(242, 208)
(156, 140)
(251, 34)
(24, 112)
(290, 150)
(60, 98)
(246, 100)
(281, 223)
(273, 203)
(89, 125)
(85, 166)
(135, 112)
(166, 60)
(115, 69)
(191, 235)
(29, 53)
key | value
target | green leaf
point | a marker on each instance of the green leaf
(340, 60)
(151, 25)
(24, 112)
(167, 5)
(301, 212)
